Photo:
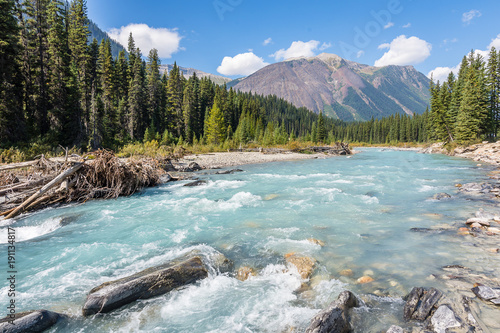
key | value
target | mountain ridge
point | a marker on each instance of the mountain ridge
(341, 88)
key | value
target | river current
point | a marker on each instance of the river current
(362, 207)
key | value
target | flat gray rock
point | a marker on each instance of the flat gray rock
(443, 319)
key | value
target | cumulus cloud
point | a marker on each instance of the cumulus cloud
(404, 51)
(297, 49)
(360, 53)
(407, 25)
(241, 64)
(388, 25)
(166, 41)
(267, 41)
(441, 73)
(470, 15)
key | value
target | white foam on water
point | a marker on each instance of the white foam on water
(331, 182)
(224, 304)
(428, 188)
(30, 232)
(297, 177)
(204, 205)
(179, 235)
(287, 245)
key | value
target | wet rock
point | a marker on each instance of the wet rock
(476, 225)
(196, 183)
(494, 250)
(494, 230)
(305, 265)
(346, 272)
(420, 303)
(427, 230)
(487, 294)
(443, 319)
(477, 220)
(316, 241)
(31, 321)
(228, 172)
(191, 167)
(334, 318)
(365, 279)
(165, 178)
(270, 197)
(441, 196)
(167, 165)
(476, 188)
(395, 329)
(245, 272)
(146, 284)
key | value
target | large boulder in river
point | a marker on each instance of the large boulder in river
(305, 265)
(420, 302)
(146, 284)
(31, 321)
(334, 318)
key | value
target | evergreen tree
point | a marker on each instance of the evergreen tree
(11, 113)
(174, 101)
(493, 83)
(321, 128)
(216, 126)
(154, 88)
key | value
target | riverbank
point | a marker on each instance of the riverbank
(229, 159)
(482, 152)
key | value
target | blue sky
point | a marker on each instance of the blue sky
(237, 37)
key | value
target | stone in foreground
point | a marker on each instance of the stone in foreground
(443, 319)
(395, 329)
(487, 294)
(149, 283)
(32, 321)
(420, 302)
(335, 317)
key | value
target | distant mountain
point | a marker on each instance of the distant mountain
(342, 89)
(188, 72)
(97, 33)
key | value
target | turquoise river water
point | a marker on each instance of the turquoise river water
(361, 207)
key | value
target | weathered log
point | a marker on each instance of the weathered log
(24, 186)
(149, 283)
(7, 212)
(32, 321)
(12, 166)
(56, 181)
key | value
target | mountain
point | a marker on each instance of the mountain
(342, 89)
(97, 33)
(188, 72)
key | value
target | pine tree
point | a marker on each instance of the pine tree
(493, 83)
(154, 88)
(136, 99)
(175, 89)
(321, 128)
(11, 112)
(216, 126)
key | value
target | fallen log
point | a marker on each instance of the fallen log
(24, 186)
(17, 165)
(149, 283)
(56, 181)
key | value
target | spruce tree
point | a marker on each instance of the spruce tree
(216, 126)
(322, 135)
(11, 110)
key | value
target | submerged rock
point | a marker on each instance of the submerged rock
(31, 321)
(441, 196)
(228, 172)
(196, 183)
(395, 329)
(146, 284)
(245, 272)
(316, 241)
(365, 279)
(334, 318)
(305, 265)
(346, 272)
(478, 220)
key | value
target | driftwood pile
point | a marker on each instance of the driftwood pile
(44, 182)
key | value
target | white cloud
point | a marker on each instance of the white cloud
(297, 49)
(166, 41)
(388, 25)
(441, 73)
(404, 51)
(360, 53)
(407, 25)
(241, 64)
(470, 15)
(325, 46)
(267, 41)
